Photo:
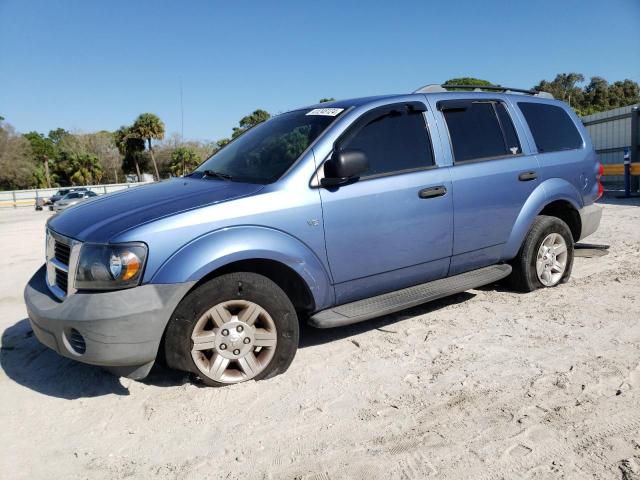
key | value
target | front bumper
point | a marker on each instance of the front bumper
(121, 330)
(590, 219)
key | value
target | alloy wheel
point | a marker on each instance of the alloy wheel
(551, 261)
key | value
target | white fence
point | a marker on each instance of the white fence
(27, 198)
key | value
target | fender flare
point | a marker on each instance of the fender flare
(547, 192)
(205, 254)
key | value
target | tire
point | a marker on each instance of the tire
(525, 276)
(233, 328)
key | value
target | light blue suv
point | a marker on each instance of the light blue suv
(331, 214)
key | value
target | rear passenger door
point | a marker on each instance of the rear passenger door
(561, 148)
(492, 178)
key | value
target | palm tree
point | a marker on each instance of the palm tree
(148, 126)
(87, 169)
(183, 160)
(129, 145)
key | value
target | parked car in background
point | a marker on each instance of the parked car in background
(332, 214)
(61, 193)
(72, 198)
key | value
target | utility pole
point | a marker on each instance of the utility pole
(181, 115)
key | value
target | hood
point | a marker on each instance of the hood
(100, 218)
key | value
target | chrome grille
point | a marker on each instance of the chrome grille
(62, 252)
(62, 280)
(62, 257)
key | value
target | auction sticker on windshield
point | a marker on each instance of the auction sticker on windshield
(328, 112)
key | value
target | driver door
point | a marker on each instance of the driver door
(393, 227)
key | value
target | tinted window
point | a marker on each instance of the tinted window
(474, 130)
(510, 136)
(394, 142)
(551, 127)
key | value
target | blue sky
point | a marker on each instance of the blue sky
(90, 65)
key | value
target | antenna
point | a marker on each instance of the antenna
(181, 114)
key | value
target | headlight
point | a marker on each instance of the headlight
(109, 267)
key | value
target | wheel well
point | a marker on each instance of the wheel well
(567, 213)
(286, 278)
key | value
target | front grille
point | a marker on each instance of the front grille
(76, 341)
(62, 252)
(62, 279)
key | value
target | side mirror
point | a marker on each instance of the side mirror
(343, 166)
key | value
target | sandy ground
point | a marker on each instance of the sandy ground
(487, 384)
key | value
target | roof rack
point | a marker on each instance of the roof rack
(437, 88)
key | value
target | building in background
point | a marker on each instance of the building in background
(611, 132)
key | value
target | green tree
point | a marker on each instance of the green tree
(468, 81)
(44, 154)
(131, 147)
(148, 126)
(595, 97)
(623, 93)
(251, 120)
(102, 145)
(58, 135)
(564, 87)
(79, 168)
(17, 169)
(222, 142)
(328, 99)
(184, 160)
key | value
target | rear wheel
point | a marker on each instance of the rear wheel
(546, 256)
(234, 328)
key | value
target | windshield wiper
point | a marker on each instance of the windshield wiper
(212, 173)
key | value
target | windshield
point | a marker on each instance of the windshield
(265, 152)
(73, 195)
(62, 192)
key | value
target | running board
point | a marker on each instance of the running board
(407, 297)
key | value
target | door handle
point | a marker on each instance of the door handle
(527, 176)
(432, 192)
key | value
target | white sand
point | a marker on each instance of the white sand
(486, 384)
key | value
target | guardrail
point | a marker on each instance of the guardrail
(618, 169)
(27, 198)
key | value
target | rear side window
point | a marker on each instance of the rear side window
(510, 136)
(551, 127)
(479, 129)
(394, 142)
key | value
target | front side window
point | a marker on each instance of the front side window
(394, 142)
(265, 152)
(479, 129)
(551, 127)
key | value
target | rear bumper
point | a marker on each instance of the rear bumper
(590, 219)
(120, 330)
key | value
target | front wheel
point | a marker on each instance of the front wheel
(546, 256)
(233, 328)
